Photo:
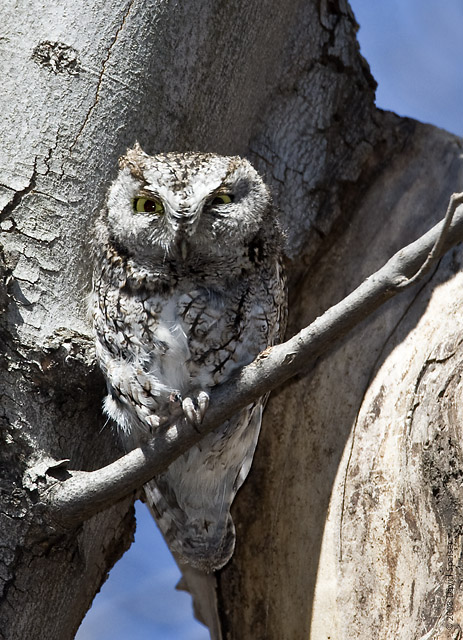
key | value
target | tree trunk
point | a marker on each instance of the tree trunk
(349, 523)
(352, 504)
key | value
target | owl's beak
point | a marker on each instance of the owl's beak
(181, 245)
(185, 222)
(183, 248)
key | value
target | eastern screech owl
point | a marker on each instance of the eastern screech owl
(188, 288)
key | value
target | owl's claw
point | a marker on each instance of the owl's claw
(190, 411)
(195, 411)
(203, 403)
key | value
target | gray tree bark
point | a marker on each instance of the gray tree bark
(349, 524)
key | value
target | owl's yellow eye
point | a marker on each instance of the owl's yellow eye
(147, 205)
(221, 198)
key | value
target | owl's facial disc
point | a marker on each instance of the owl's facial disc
(198, 208)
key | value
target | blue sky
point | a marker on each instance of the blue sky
(415, 51)
(139, 600)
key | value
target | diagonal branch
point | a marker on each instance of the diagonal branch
(84, 494)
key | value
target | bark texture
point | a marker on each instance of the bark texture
(353, 495)
(346, 521)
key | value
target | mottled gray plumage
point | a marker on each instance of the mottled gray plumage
(188, 288)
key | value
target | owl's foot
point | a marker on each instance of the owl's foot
(195, 411)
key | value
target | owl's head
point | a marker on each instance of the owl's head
(183, 206)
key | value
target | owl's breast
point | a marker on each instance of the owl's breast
(195, 338)
(224, 332)
(156, 348)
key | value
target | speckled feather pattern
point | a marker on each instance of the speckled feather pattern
(182, 300)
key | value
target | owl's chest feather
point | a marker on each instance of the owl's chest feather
(192, 338)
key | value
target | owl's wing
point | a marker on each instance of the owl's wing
(191, 501)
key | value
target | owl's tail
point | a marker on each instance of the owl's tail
(191, 501)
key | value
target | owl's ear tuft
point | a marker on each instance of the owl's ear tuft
(137, 148)
(133, 159)
(135, 155)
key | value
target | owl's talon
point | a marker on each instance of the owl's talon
(190, 411)
(203, 403)
(194, 412)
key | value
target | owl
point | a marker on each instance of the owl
(188, 288)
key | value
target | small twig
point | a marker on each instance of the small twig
(455, 200)
(84, 494)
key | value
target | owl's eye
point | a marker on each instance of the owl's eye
(147, 205)
(221, 198)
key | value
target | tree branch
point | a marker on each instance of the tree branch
(84, 494)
